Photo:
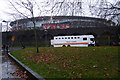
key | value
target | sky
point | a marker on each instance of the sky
(4, 9)
(3, 16)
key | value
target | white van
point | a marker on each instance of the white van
(73, 41)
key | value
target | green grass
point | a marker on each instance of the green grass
(71, 62)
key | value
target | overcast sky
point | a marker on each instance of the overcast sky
(4, 8)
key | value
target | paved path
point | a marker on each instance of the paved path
(8, 68)
(10, 71)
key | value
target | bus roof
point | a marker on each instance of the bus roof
(76, 36)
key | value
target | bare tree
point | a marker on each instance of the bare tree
(63, 7)
(26, 9)
(106, 10)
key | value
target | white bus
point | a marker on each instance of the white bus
(73, 41)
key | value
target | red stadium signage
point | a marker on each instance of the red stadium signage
(55, 26)
(15, 28)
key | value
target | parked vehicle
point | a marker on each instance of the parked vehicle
(115, 43)
(73, 41)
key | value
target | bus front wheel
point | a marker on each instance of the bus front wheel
(68, 46)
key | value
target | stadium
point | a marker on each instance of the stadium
(61, 22)
(47, 27)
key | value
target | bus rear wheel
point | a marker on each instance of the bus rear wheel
(63, 46)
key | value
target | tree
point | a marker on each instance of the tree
(63, 7)
(26, 9)
(106, 10)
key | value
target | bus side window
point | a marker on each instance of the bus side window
(68, 37)
(65, 37)
(62, 38)
(71, 37)
(74, 37)
(59, 38)
(55, 38)
(84, 38)
(78, 37)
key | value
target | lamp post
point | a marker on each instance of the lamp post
(7, 35)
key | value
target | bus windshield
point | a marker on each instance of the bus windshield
(92, 39)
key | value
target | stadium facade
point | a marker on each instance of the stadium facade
(61, 22)
(47, 27)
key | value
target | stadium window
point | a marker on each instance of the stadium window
(84, 38)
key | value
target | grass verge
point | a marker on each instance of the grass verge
(71, 62)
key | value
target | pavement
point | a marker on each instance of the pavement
(10, 70)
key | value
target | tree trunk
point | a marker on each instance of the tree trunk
(35, 36)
